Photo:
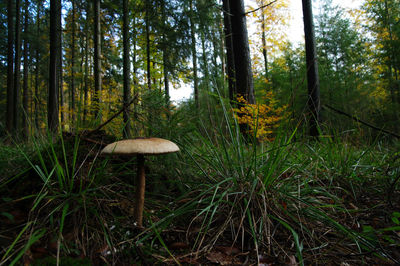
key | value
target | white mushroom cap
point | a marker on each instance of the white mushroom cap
(149, 146)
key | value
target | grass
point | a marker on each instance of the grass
(223, 199)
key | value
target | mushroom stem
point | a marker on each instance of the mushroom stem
(140, 188)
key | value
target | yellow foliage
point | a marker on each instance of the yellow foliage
(262, 119)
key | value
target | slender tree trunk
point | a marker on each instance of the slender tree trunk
(86, 78)
(393, 76)
(264, 41)
(97, 59)
(10, 68)
(25, 100)
(37, 55)
(73, 65)
(61, 89)
(127, 69)
(135, 81)
(312, 70)
(55, 35)
(147, 22)
(165, 56)
(241, 52)
(230, 64)
(17, 66)
(194, 54)
(205, 63)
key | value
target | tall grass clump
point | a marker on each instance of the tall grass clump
(275, 200)
(62, 200)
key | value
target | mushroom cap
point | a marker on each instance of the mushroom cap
(146, 146)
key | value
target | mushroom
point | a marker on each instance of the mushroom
(140, 147)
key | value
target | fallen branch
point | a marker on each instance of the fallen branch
(88, 133)
(360, 121)
(255, 10)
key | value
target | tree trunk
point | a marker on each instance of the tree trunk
(312, 70)
(17, 67)
(147, 22)
(97, 59)
(25, 100)
(241, 52)
(37, 55)
(55, 35)
(10, 67)
(264, 41)
(127, 87)
(73, 65)
(206, 79)
(194, 54)
(86, 78)
(165, 56)
(230, 63)
(61, 88)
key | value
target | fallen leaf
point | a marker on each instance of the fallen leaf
(178, 245)
(228, 250)
(292, 261)
(222, 259)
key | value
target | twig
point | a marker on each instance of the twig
(361, 121)
(255, 10)
(88, 133)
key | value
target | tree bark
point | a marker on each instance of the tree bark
(314, 104)
(127, 69)
(55, 36)
(241, 52)
(10, 68)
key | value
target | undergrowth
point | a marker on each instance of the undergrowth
(224, 199)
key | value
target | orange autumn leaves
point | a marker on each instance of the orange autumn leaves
(262, 119)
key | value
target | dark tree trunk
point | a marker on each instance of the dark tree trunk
(206, 79)
(264, 41)
(127, 70)
(97, 58)
(165, 56)
(10, 67)
(166, 79)
(230, 64)
(61, 87)
(194, 54)
(17, 66)
(55, 36)
(37, 55)
(135, 81)
(147, 22)
(241, 51)
(25, 100)
(86, 78)
(73, 64)
(312, 70)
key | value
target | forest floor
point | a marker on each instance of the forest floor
(90, 223)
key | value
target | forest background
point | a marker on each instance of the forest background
(187, 49)
(271, 169)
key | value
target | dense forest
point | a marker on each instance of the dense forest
(289, 152)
